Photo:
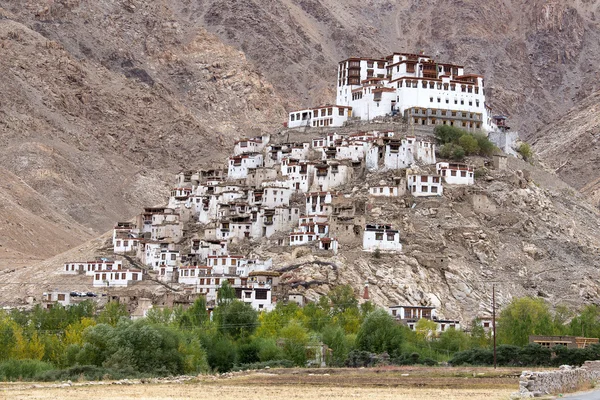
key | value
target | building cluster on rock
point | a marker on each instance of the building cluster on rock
(290, 193)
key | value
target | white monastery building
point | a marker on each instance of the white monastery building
(416, 86)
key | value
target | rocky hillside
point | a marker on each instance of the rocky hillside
(523, 230)
(571, 146)
(100, 103)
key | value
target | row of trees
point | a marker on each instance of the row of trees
(80, 341)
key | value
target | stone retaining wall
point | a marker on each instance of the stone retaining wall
(565, 380)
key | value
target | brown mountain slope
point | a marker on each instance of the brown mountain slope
(539, 57)
(571, 147)
(25, 235)
(98, 143)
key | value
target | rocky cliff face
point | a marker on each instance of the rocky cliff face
(100, 103)
(523, 230)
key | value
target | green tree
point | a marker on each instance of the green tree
(339, 343)
(425, 329)
(112, 313)
(221, 353)
(342, 298)
(469, 144)
(196, 315)
(523, 317)
(447, 134)
(453, 340)
(226, 293)
(458, 153)
(587, 323)
(236, 319)
(379, 333)
(315, 316)
(295, 338)
(486, 147)
(479, 338)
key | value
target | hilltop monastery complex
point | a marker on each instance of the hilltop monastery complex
(288, 193)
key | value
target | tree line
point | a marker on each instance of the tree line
(80, 342)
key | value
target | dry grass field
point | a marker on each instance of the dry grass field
(376, 384)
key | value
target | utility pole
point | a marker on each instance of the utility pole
(494, 319)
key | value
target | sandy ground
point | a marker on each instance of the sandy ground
(298, 384)
(203, 391)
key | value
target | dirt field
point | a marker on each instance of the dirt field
(377, 384)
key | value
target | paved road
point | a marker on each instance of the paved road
(595, 395)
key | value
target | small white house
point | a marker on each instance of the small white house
(258, 297)
(125, 245)
(319, 203)
(324, 116)
(384, 191)
(381, 237)
(117, 278)
(330, 244)
(56, 297)
(456, 173)
(238, 166)
(422, 184)
(244, 146)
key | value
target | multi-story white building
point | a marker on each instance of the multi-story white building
(404, 83)
(422, 184)
(238, 166)
(319, 203)
(456, 173)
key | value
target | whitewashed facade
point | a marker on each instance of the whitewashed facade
(324, 116)
(381, 237)
(456, 173)
(422, 185)
(403, 82)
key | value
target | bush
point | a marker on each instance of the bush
(359, 358)
(525, 150)
(248, 353)
(473, 357)
(88, 373)
(263, 365)
(469, 144)
(458, 153)
(12, 370)
(221, 354)
(486, 147)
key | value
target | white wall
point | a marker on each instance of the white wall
(455, 174)
(422, 185)
(372, 243)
